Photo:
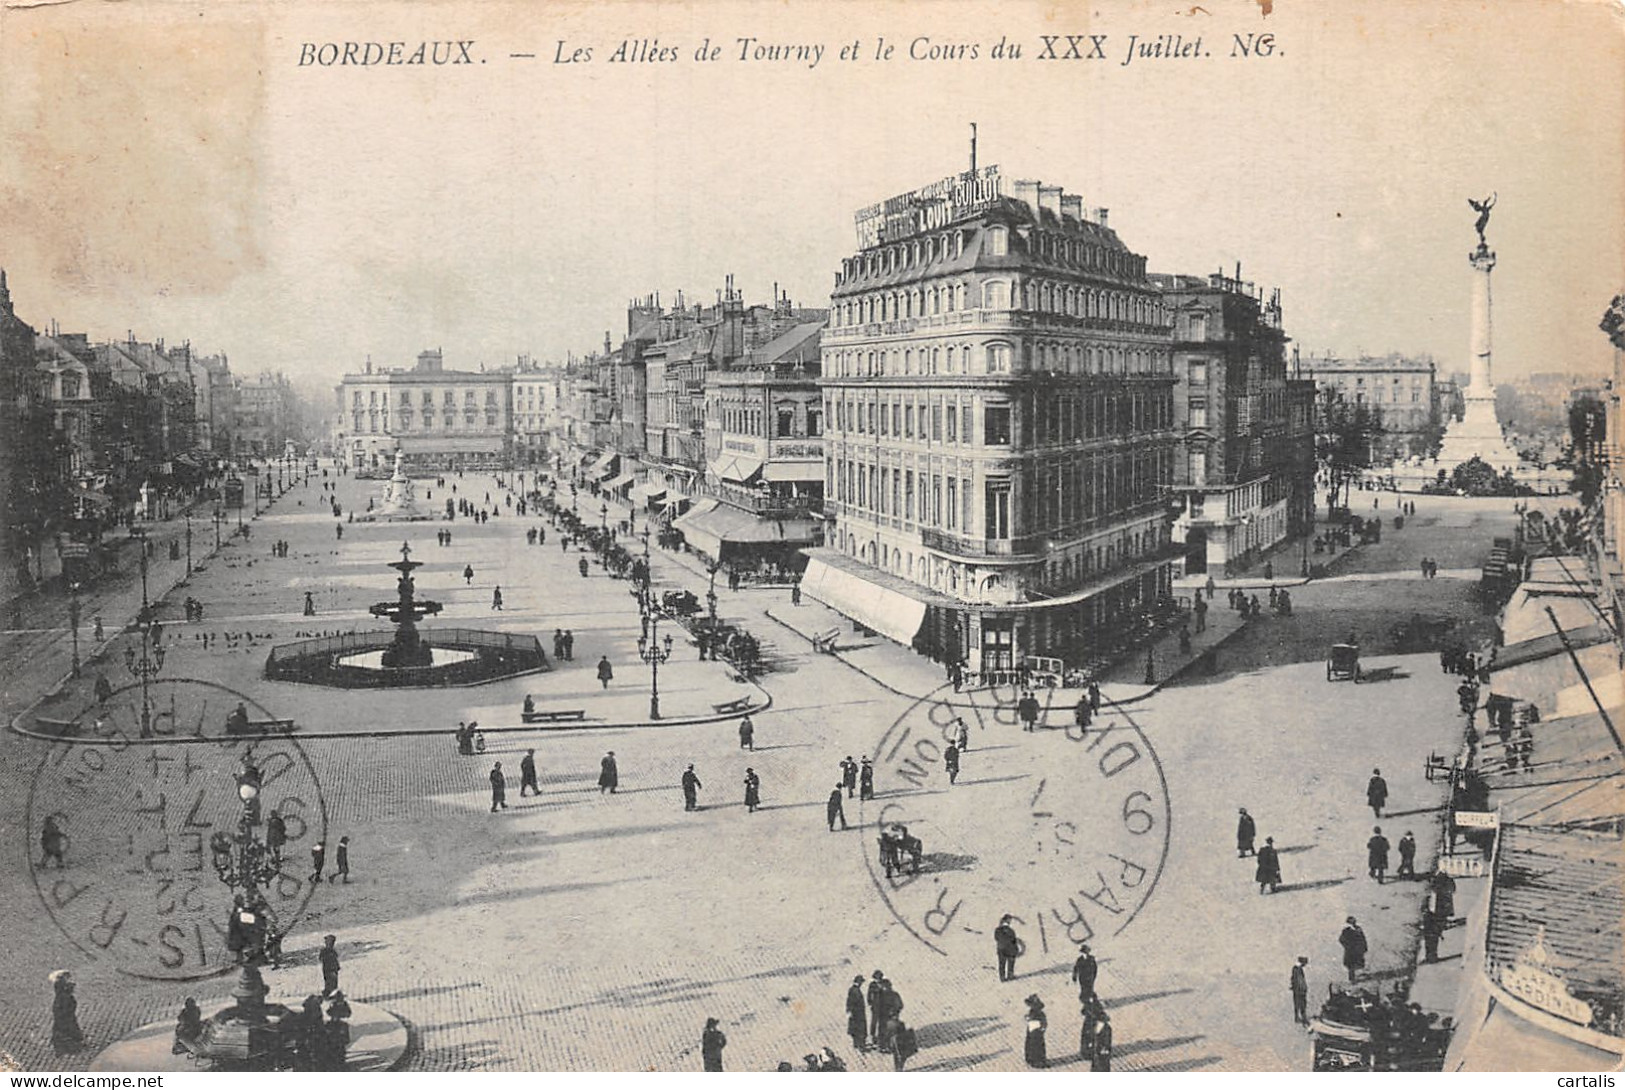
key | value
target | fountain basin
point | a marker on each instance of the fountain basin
(458, 656)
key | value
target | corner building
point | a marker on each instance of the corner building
(998, 389)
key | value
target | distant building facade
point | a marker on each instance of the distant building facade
(1399, 388)
(438, 419)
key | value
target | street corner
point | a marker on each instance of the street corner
(1064, 829)
(130, 837)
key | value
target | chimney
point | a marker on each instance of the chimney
(1027, 193)
(1049, 199)
(1072, 206)
(1101, 216)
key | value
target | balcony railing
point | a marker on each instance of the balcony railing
(959, 545)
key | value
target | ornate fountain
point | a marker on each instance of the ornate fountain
(408, 648)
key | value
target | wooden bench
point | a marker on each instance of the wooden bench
(729, 707)
(824, 642)
(557, 715)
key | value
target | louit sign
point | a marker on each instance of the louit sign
(926, 209)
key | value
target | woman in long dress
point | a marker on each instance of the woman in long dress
(66, 1036)
(1037, 1022)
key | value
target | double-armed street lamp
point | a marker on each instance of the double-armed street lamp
(73, 622)
(603, 516)
(654, 650)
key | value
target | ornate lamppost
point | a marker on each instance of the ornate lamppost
(189, 543)
(73, 622)
(151, 661)
(603, 516)
(217, 519)
(653, 650)
(251, 1029)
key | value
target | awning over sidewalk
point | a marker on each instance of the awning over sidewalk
(739, 468)
(605, 466)
(643, 493)
(1505, 1042)
(623, 481)
(891, 613)
(1538, 669)
(692, 524)
(1525, 616)
(793, 471)
(716, 524)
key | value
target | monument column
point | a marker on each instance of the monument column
(1483, 260)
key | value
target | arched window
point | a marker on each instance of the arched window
(996, 295)
(998, 357)
(998, 241)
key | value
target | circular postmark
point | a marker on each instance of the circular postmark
(1064, 829)
(139, 827)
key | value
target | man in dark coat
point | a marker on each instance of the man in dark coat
(499, 788)
(877, 984)
(1432, 928)
(1094, 695)
(849, 775)
(1268, 872)
(1246, 830)
(857, 1018)
(950, 761)
(1084, 972)
(606, 672)
(1027, 710)
(318, 859)
(1299, 985)
(747, 734)
(712, 1042)
(1354, 946)
(691, 788)
(834, 811)
(1444, 895)
(1376, 854)
(753, 790)
(527, 774)
(1007, 946)
(341, 862)
(329, 958)
(1376, 792)
(891, 1011)
(1407, 856)
(866, 780)
(1102, 1060)
(609, 777)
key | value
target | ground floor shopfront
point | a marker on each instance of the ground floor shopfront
(1085, 630)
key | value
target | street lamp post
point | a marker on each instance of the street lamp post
(151, 661)
(217, 520)
(603, 516)
(188, 543)
(653, 650)
(73, 622)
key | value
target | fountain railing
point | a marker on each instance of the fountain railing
(291, 661)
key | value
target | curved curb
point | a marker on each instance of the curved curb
(18, 728)
(381, 1042)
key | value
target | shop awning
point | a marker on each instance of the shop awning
(731, 525)
(1503, 1041)
(673, 500)
(793, 471)
(735, 467)
(1525, 614)
(588, 457)
(623, 481)
(643, 493)
(695, 532)
(605, 466)
(1538, 669)
(891, 613)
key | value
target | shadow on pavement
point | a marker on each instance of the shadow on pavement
(1299, 887)
(956, 1063)
(938, 1034)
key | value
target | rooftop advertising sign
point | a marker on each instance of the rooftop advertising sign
(922, 210)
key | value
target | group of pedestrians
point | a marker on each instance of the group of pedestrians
(1267, 859)
(1095, 1035)
(1430, 568)
(874, 1019)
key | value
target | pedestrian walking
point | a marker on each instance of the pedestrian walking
(712, 1042)
(581, 566)
(1085, 971)
(1211, 587)
(1444, 895)
(753, 790)
(276, 836)
(1033, 1050)
(310, 605)
(834, 811)
(527, 774)
(1102, 1060)
(950, 761)
(1268, 871)
(1376, 792)
(1027, 710)
(66, 1036)
(318, 859)
(857, 1016)
(691, 789)
(499, 788)
(1299, 986)
(795, 593)
(496, 598)
(1354, 946)
(1376, 854)
(1407, 856)
(1082, 713)
(606, 672)
(609, 776)
(1246, 830)
(53, 843)
(341, 861)
(866, 780)
(1007, 946)
(747, 734)
(329, 958)
(558, 645)
(468, 575)
(1432, 929)
(849, 775)
(904, 1044)
(1200, 612)
(569, 645)
(1094, 696)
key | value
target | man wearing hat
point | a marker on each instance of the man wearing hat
(1354, 946)
(857, 1018)
(691, 788)
(1084, 972)
(329, 958)
(877, 984)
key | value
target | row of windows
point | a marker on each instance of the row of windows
(377, 422)
(931, 421)
(749, 422)
(1041, 296)
(928, 499)
(1062, 418)
(425, 397)
(998, 357)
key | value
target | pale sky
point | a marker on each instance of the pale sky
(173, 171)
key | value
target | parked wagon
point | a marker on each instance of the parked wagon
(1343, 663)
